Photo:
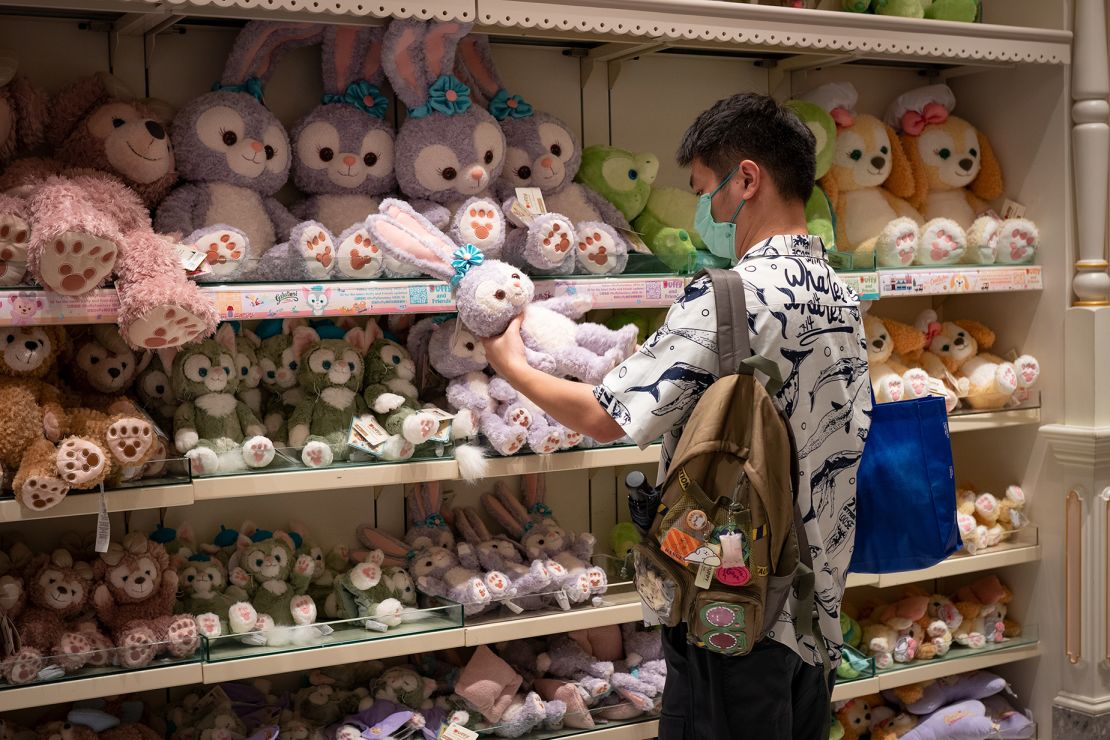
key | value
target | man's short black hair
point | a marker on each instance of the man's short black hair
(755, 127)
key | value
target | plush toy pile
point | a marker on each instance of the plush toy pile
(968, 706)
(986, 519)
(923, 626)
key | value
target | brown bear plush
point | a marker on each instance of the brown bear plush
(22, 128)
(52, 629)
(135, 601)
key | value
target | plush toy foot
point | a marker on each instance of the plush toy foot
(889, 389)
(982, 241)
(942, 242)
(387, 402)
(476, 593)
(419, 427)
(183, 637)
(1005, 378)
(498, 585)
(397, 448)
(600, 250)
(40, 492)
(481, 223)
(519, 416)
(303, 609)
(915, 383)
(15, 233)
(165, 326)
(1017, 241)
(577, 588)
(897, 243)
(75, 262)
(208, 624)
(1028, 370)
(317, 455)
(598, 580)
(225, 249)
(131, 441)
(23, 667)
(465, 425)
(550, 241)
(357, 256)
(258, 452)
(242, 618)
(71, 651)
(137, 648)
(312, 244)
(81, 462)
(545, 440)
(203, 461)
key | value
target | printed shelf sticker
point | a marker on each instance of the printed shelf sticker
(961, 280)
(616, 292)
(28, 307)
(290, 300)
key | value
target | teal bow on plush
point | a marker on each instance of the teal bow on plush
(465, 257)
(434, 521)
(540, 508)
(251, 86)
(447, 95)
(505, 106)
(362, 95)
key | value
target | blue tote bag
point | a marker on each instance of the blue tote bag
(905, 489)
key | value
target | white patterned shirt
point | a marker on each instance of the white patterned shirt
(805, 319)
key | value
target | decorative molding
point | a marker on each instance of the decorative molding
(1085, 447)
(1085, 704)
(1073, 577)
(424, 9)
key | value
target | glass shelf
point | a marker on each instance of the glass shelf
(100, 663)
(600, 724)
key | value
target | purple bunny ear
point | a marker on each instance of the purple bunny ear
(534, 488)
(414, 505)
(395, 551)
(343, 50)
(477, 524)
(408, 237)
(432, 495)
(402, 60)
(420, 336)
(475, 58)
(260, 45)
(440, 42)
(372, 70)
(460, 519)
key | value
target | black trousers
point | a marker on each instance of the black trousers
(768, 694)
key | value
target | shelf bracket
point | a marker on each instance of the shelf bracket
(779, 71)
(613, 54)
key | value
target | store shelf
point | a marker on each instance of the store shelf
(929, 670)
(715, 23)
(960, 279)
(601, 457)
(866, 284)
(619, 608)
(305, 10)
(973, 422)
(79, 503)
(1024, 549)
(92, 687)
(636, 729)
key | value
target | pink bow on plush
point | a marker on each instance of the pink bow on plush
(914, 122)
(931, 332)
(842, 117)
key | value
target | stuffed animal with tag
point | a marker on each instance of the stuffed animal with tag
(392, 396)
(206, 592)
(276, 580)
(960, 348)
(23, 109)
(281, 391)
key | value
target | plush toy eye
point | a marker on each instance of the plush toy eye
(190, 579)
(449, 173)
(499, 295)
(469, 346)
(11, 338)
(351, 367)
(293, 365)
(269, 152)
(203, 372)
(556, 150)
(230, 138)
(524, 172)
(94, 360)
(370, 159)
(270, 374)
(633, 174)
(973, 152)
(327, 364)
(944, 153)
(427, 563)
(488, 157)
(856, 155)
(117, 122)
(244, 371)
(884, 149)
(326, 154)
(396, 359)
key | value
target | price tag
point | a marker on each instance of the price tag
(103, 524)
(373, 624)
(190, 258)
(935, 386)
(635, 240)
(531, 199)
(456, 731)
(514, 608)
(564, 602)
(366, 432)
(438, 413)
(1012, 209)
(705, 576)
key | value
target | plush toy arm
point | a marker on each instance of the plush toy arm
(179, 213)
(432, 586)
(382, 400)
(251, 425)
(299, 424)
(185, 427)
(468, 556)
(500, 390)
(300, 577)
(572, 306)
(361, 406)
(902, 207)
(284, 221)
(439, 215)
(542, 361)
(105, 605)
(168, 593)
(584, 546)
(610, 214)
(305, 210)
(462, 396)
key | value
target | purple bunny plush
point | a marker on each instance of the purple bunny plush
(542, 152)
(490, 293)
(343, 159)
(449, 152)
(965, 720)
(545, 435)
(233, 155)
(500, 554)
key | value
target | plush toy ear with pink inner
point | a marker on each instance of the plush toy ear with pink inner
(360, 339)
(534, 488)
(260, 44)
(476, 523)
(225, 337)
(506, 510)
(408, 237)
(394, 551)
(476, 61)
(303, 338)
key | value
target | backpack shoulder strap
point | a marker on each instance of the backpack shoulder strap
(733, 343)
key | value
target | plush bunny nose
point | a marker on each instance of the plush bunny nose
(256, 145)
(476, 173)
(878, 162)
(546, 161)
(155, 129)
(349, 160)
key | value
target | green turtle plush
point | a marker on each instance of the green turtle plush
(819, 216)
(621, 177)
(667, 225)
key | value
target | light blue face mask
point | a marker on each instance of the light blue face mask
(719, 237)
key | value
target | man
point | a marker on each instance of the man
(752, 165)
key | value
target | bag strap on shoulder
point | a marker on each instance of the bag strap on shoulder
(733, 343)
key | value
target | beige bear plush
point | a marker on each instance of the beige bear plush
(991, 380)
(887, 342)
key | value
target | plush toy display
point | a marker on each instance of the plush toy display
(667, 226)
(956, 175)
(276, 580)
(887, 343)
(819, 216)
(392, 396)
(212, 428)
(23, 108)
(500, 554)
(489, 294)
(281, 391)
(959, 348)
(449, 152)
(87, 209)
(234, 155)
(205, 592)
(868, 185)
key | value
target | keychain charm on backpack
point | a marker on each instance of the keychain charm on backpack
(734, 570)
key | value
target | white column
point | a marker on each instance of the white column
(1090, 151)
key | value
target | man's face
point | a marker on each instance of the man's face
(705, 180)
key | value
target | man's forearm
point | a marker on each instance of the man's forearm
(569, 402)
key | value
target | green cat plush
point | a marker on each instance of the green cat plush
(392, 397)
(330, 374)
(212, 427)
(966, 11)
(203, 590)
(819, 217)
(276, 580)
(281, 392)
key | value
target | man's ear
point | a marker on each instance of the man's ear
(748, 178)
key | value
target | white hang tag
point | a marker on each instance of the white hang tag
(456, 731)
(190, 258)
(103, 524)
(651, 619)
(936, 387)
(373, 624)
(635, 240)
(564, 602)
(531, 200)
(705, 576)
(1012, 209)
(366, 434)
(514, 608)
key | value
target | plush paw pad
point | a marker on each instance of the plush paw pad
(203, 461)
(897, 244)
(74, 262)
(597, 252)
(598, 580)
(71, 651)
(571, 438)
(183, 636)
(224, 251)
(80, 462)
(209, 625)
(316, 249)
(40, 492)
(915, 383)
(1006, 378)
(1018, 241)
(553, 241)
(165, 326)
(303, 609)
(359, 257)
(480, 224)
(549, 442)
(317, 455)
(1028, 370)
(23, 667)
(15, 233)
(940, 245)
(258, 452)
(520, 417)
(419, 427)
(497, 584)
(514, 443)
(130, 440)
(136, 649)
(242, 618)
